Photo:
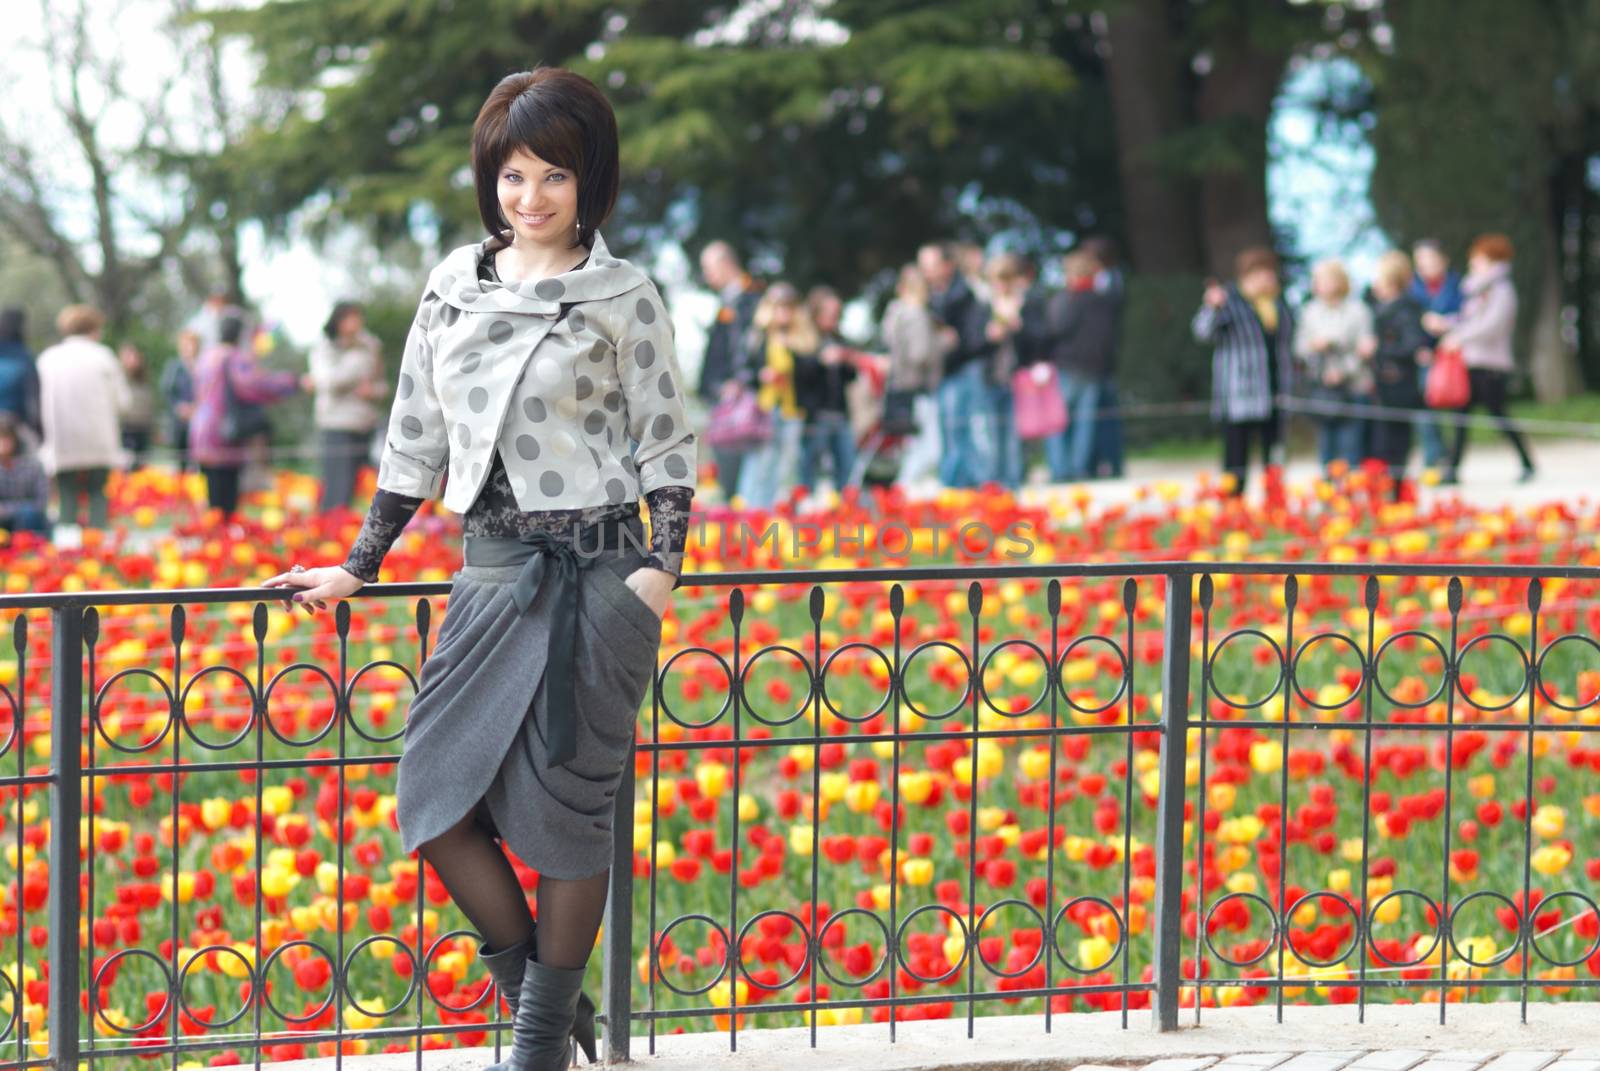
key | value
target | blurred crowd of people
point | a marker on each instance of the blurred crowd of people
(981, 369)
(1370, 369)
(79, 410)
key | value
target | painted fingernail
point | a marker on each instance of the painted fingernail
(299, 596)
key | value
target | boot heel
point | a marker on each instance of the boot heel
(583, 1028)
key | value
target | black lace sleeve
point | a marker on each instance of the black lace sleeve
(386, 519)
(669, 528)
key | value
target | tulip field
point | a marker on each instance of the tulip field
(253, 864)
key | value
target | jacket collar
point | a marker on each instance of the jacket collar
(456, 282)
(1477, 283)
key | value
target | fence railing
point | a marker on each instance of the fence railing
(1136, 731)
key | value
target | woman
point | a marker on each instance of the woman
(177, 391)
(1008, 289)
(1482, 332)
(780, 335)
(822, 389)
(230, 367)
(24, 487)
(911, 335)
(1080, 341)
(524, 717)
(1250, 325)
(1399, 347)
(19, 376)
(1437, 288)
(347, 373)
(138, 414)
(81, 391)
(1333, 343)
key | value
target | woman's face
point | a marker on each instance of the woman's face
(350, 323)
(1259, 283)
(827, 313)
(1431, 263)
(1478, 263)
(1328, 286)
(782, 314)
(539, 200)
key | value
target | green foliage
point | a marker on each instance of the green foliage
(836, 160)
(1474, 131)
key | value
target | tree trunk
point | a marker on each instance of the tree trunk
(1143, 74)
(1237, 93)
(1552, 364)
(232, 264)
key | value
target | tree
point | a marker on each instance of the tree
(1480, 131)
(131, 236)
(836, 159)
(380, 100)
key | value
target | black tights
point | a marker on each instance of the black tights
(468, 859)
(1489, 390)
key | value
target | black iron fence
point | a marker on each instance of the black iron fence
(1186, 694)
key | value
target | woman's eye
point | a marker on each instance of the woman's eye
(511, 177)
(558, 176)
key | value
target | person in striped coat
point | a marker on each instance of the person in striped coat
(1252, 329)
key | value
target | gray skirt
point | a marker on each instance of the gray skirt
(483, 689)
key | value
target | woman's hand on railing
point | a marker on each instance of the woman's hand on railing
(317, 586)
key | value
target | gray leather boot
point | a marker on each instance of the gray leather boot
(547, 1006)
(505, 967)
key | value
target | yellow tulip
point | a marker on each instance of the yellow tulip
(712, 777)
(1549, 820)
(916, 786)
(1266, 756)
(276, 800)
(1034, 763)
(1550, 859)
(862, 796)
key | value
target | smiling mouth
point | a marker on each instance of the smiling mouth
(534, 221)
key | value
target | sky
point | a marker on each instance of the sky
(1317, 189)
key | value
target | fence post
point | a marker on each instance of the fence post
(1176, 634)
(66, 807)
(618, 950)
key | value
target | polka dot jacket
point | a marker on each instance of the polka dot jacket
(584, 410)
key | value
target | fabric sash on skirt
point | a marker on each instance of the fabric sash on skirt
(556, 559)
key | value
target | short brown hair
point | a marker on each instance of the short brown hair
(1495, 246)
(79, 320)
(1254, 258)
(562, 118)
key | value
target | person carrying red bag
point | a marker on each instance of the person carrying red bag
(1482, 333)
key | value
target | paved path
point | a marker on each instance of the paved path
(1478, 1037)
(1568, 470)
